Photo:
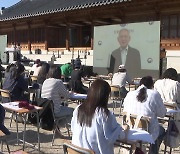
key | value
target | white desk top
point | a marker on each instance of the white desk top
(172, 110)
(139, 135)
(78, 96)
(14, 106)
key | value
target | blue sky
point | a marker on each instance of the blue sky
(7, 3)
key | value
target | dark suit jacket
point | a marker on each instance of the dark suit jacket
(132, 65)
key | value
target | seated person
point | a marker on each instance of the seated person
(2, 116)
(16, 84)
(54, 89)
(169, 87)
(93, 126)
(120, 78)
(7, 70)
(147, 102)
(42, 77)
(66, 70)
(36, 68)
(75, 83)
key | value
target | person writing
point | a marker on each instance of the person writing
(147, 102)
(169, 87)
(93, 126)
(120, 78)
(125, 55)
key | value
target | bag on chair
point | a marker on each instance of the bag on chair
(45, 115)
(173, 137)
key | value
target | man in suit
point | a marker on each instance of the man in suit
(125, 55)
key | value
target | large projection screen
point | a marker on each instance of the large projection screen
(142, 53)
(3, 43)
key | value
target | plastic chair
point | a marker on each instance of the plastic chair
(4, 140)
(70, 148)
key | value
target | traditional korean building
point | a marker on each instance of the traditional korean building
(65, 24)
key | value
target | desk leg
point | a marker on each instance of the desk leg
(166, 138)
(24, 133)
(38, 130)
(17, 131)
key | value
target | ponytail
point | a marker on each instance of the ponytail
(141, 97)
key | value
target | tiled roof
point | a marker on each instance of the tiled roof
(30, 8)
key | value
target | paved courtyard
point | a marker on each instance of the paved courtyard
(46, 138)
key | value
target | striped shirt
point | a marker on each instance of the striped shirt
(55, 90)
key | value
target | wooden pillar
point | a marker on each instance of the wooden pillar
(46, 38)
(80, 36)
(15, 37)
(67, 37)
(29, 37)
(92, 35)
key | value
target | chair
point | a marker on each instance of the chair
(134, 121)
(33, 79)
(69, 148)
(3, 140)
(56, 123)
(115, 96)
(5, 94)
(6, 97)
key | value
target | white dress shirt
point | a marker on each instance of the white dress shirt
(102, 134)
(169, 90)
(120, 79)
(152, 107)
(124, 55)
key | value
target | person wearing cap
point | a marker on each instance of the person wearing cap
(66, 70)
(75, 83)
(125, 55)
(120, 78)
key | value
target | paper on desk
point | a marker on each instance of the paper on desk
(78, 96)
(12, 105)
(172, 110)
(142, 135)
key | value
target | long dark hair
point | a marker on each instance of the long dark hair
(97, 97)
(54, 72)
(170, 73)
(147, 81)
(43, 73)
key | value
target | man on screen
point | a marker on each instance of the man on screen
(125, 55)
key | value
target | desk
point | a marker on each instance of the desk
(78, 96)
(13, 107)
(88, 81)
(135, 136)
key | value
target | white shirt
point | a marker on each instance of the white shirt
(152, 107)
(55, 90)
(102, 134)
(120, 79)
(36, 71)
(33, 67)
(169, 90)
(123, 55)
